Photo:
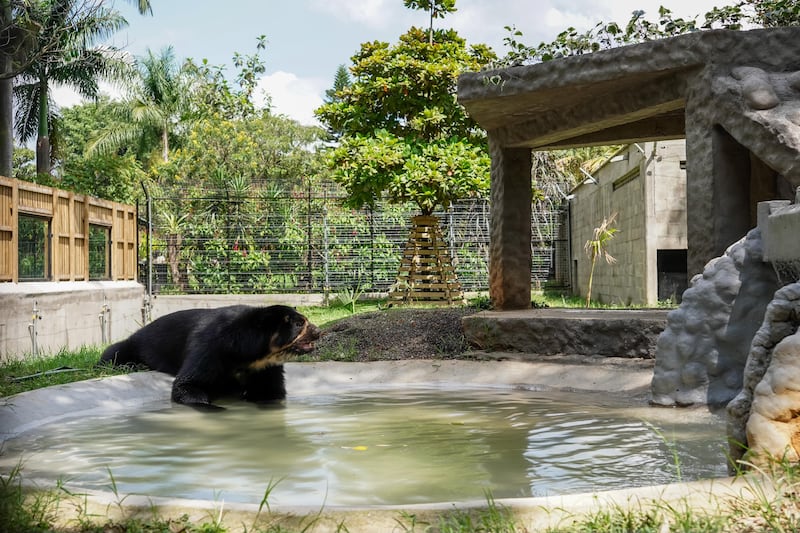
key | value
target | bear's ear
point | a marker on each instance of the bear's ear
(286, 318)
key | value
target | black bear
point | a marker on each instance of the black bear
(213, 352)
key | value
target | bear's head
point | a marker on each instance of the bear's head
(289, 331)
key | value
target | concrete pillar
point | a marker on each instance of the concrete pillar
(510, 246)
(700, 231)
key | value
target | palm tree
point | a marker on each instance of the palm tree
(36, 42)
(597, 246)
(75, 62)
(156, 103)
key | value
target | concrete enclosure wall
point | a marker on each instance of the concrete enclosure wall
(66, 315)
(74, 314)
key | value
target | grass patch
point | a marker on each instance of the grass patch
(65, 367)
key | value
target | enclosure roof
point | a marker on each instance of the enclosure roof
(621, 95)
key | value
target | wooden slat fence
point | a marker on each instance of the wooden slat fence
(70, 216)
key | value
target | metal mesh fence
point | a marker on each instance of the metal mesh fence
(304, 240)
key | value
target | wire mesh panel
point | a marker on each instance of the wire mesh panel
(302, 239)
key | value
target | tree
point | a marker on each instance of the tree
(261, 149)
(75, 63)
(214, 96)
(341, 81)
(404, 135)
(435, 8)
(597, 246)
(157, 102)
(24, 40)
(115, 176)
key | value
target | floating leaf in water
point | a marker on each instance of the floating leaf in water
(355, 448)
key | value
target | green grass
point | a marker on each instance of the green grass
(65, 367)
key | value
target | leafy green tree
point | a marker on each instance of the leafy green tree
(24, 167)
(341, 81)
(260, 149)
(404, 135)
(76, 63)
(155, 106)
(115, 176)
(213, 95)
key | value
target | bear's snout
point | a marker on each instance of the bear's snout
(304, 342)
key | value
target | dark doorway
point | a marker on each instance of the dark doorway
(672, 274)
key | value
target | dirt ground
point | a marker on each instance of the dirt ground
(396, 334)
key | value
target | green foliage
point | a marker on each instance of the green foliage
(115, 176)
(218, 151)
(213, 95)
(152, 113)
(66, 54)
(341, 81)
(764, 13)
(24, 164)
(349, 297)
(404, 135)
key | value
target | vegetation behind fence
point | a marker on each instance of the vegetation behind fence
(301, 239)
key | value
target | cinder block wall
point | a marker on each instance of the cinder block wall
(70, 314)
(647, 190)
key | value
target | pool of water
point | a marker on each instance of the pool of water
(388, 446)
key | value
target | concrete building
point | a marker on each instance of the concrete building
(733, 95)
(645, 185)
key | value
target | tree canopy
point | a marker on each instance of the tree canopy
(404, 134)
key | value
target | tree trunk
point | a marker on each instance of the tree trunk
(165, 144)
(43, 138)
(173, 259)
(6, 125)
(6, 102)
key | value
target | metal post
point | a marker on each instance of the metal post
(33, 330)
(105, 310)
(148, 295)
(309, 240)
(327, 283)
(371, 249)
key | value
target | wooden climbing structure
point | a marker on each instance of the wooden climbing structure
(426, 273)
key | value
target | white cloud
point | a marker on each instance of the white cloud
(372, 13)
(67, 97)
(292, 96)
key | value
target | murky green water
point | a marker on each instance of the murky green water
(382, 447)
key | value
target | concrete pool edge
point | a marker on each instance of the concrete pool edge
(25, 411)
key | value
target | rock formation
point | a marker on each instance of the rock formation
(765, 415)
(702, 351)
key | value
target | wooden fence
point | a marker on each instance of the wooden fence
(68, 217)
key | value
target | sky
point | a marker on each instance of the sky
(308, 39)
